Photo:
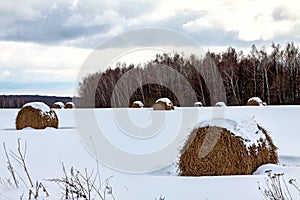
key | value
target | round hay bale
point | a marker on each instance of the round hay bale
(229, 156)
(254, 101)
(198, 104)
(69, 105)
(220, 104)
(58, 105)
(137, 104)
(159, 106)
(36, 115)
(163, 104)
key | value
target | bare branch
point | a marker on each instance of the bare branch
(9, 167)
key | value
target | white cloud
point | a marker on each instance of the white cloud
(54, 30)
(251, 20)
(75, 20)
(21, 11)
(29, 62)
(5, 74)
(107, 17)
(74, 5)
(197, 25)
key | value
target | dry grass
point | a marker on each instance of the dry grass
(85, 186)
(58, 105)
(229, 155)
(162, 106)
(74, 185)
(277, 188)
(137, 105)
(34, 192)
(69, 105)
(253, 103)
(35, 118)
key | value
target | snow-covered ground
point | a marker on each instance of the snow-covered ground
(47, 149)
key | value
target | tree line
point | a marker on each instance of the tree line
(17, 101)
(273, 76)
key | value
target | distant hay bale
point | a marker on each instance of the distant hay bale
(69, 105)
(229, 156)
(254, 101)
(58, 105)
(198, 104)
(137, 104)
(163, 104)
(159, 106)
(220, 104)
(36, 115)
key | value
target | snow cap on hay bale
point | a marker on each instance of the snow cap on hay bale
(198, 104)
(163, 104)
(254, 101)
(220, 104)
(58, 105)
(36, 115)
(242, 147)
(69, 105)
(137, 104)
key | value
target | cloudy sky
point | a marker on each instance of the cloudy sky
(43, 44)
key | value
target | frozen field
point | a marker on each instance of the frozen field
(48, 149)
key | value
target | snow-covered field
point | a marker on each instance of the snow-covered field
(48, 149)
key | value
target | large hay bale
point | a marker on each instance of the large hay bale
(198, 104)
(229, 156)
(36, 115)
(137, 104)
(58, 105)
(255, 101)
(163, 104)
(69, 105)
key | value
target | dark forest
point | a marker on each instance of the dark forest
(273, 76)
